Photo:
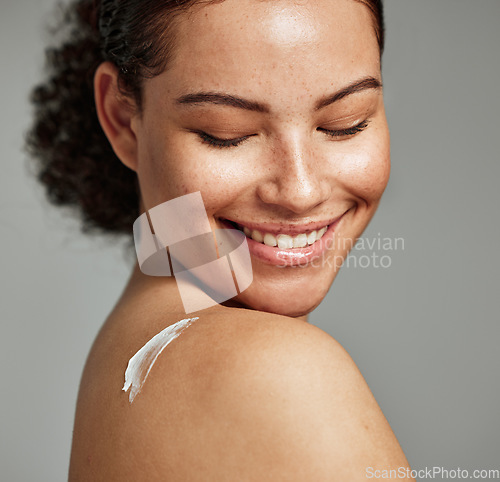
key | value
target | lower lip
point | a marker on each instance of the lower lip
(292, 257)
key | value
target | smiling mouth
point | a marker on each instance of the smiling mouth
(282, 241)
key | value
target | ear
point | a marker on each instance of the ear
(115, 113)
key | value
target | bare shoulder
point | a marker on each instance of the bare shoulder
(243, 395)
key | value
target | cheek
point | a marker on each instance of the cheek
(366, 170)
(173, 168)
(158, 171)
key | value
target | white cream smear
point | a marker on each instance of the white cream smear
(140, 364)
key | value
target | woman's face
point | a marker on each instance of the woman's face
(273, 110)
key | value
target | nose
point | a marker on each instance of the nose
(296, 178)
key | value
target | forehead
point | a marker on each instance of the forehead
(264, 46)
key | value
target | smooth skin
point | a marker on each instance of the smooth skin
(251, 391)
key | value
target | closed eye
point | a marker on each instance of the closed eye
(342, 133)
(221, 143)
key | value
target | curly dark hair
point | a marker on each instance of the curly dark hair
(74, 159)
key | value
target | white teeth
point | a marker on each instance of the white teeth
(311, 238)
(270, 240)
(285, 241)
(300, 241)
(257, 236)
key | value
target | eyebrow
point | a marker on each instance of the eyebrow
(217, 98)
(358, 86)
(223, 99)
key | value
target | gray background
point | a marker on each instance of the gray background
(424, 332)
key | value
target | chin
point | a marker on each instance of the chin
(292, 300)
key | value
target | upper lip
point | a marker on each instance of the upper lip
(285, 227)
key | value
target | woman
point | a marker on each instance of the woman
(273, 111)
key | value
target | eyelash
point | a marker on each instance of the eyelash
(351, 131)
(220, 143)
(228, 143)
